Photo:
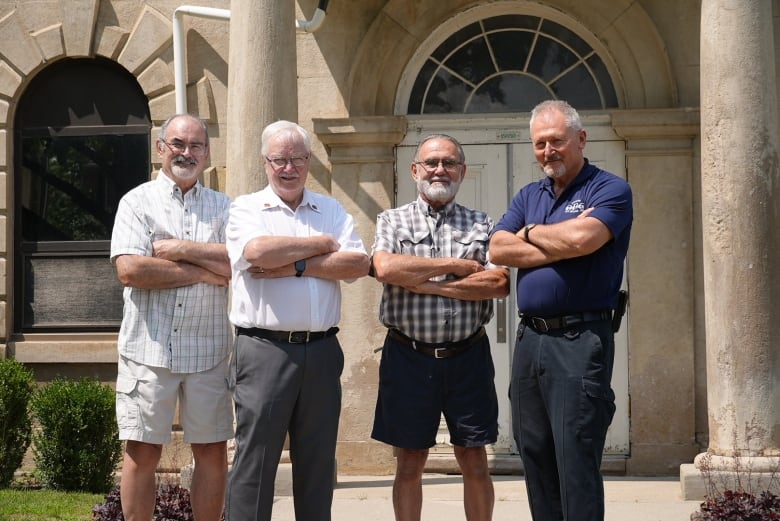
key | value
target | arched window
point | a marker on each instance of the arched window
(81, 142)
(509, 63)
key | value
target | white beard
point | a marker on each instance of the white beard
(438, 192)
(554, 171)
(184, 171)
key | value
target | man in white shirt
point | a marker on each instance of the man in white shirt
(289, 249)
(169, 252)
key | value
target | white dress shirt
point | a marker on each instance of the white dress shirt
(287, 303)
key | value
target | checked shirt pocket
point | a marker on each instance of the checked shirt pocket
(415, 243)
(472, 244)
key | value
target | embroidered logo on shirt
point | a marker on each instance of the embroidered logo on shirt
(575, 207)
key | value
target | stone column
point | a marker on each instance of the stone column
(740, 181)
(262, 85)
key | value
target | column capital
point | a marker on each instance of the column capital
(682, 123)
(360, 139)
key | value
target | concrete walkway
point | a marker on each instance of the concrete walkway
(369, 498)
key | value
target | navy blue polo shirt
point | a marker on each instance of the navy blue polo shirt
(588, 283)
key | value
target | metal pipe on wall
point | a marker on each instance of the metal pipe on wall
(179, 44)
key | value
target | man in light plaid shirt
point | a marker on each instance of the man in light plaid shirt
(431, 256)
(168, 246)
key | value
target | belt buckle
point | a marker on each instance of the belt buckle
(436, 352)
(539, 324)
(298, 337)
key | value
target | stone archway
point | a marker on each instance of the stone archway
(625, 31)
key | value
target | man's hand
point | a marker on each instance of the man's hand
(209, 277)
(169, 249)
(272, 273)
(465, 267)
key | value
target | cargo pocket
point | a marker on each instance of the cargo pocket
(127, 413)
(597, 407)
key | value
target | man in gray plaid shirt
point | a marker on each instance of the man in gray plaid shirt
(431, 255)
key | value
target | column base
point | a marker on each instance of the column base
(711, 474)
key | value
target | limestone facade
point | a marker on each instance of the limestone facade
(351, 74)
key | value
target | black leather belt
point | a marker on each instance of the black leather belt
(545, 324)
(291, 337)
(443, 350)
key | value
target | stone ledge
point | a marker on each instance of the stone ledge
(511, 464)
(60, 350)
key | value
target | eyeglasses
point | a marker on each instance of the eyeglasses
(430, 165)
(178, 147)
(281, 162)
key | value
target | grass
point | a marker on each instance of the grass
(46, 505)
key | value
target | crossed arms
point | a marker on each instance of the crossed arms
(175, 263)
(472, 281)
(550, 242)
(274, 256)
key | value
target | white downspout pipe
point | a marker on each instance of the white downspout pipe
(179, 45)
(309, 26)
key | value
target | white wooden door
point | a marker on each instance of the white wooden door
(495, 172)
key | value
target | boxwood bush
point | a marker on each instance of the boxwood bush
(77, 446)
(17, 386)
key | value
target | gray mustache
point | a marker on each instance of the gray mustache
(181, 160)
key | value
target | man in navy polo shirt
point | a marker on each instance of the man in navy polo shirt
(568, 236)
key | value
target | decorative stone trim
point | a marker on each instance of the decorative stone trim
(151, 34)
(50, 41)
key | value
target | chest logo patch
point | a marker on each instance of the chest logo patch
(575, 207)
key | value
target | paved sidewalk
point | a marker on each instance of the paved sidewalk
(369, 498)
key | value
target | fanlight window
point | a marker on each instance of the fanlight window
(509, 63)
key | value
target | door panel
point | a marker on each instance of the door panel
(494, 174)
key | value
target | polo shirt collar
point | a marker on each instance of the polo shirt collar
(585, 173)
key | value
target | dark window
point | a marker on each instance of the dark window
(510, 63)
(82, 141)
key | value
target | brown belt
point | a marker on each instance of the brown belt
(443, 350)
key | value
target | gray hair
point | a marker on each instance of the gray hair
(164, 127)
(287, 128)
(570, 115)
(440, 136)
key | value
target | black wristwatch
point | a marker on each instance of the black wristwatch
(528, 228)
(300, 267)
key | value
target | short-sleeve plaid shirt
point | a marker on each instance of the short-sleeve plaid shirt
(453, 231)
(184, 329)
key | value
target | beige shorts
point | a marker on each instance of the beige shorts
(146, 399)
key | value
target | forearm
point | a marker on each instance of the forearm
(409, 270)
(507, 249)
(271, 252)
(478, 286)
(208, 255)
(154, 273)
(340, 265)
(568, 239)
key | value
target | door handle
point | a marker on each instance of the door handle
(501, 320)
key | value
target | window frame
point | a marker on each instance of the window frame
(39, 116)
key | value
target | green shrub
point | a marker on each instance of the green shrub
(77, 446)
(17, 386)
